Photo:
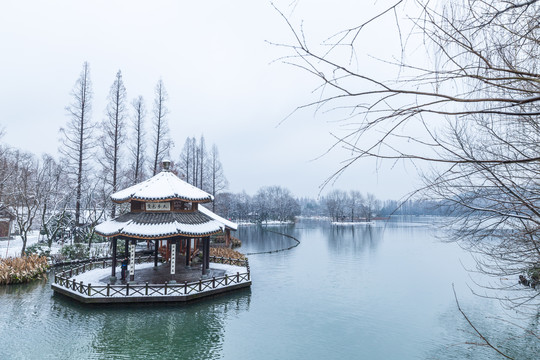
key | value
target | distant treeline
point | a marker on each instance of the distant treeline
(275, 203)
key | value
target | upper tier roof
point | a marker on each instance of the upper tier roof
(161, 187)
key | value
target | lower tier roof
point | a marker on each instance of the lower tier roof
(145, 225)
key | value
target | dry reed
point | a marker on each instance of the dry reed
(22, 269)
(227, 253)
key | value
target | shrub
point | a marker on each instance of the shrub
(37, 249)
(75, 251)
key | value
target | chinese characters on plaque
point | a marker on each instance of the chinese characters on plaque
(158, 206)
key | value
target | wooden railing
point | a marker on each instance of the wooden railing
(134, 290)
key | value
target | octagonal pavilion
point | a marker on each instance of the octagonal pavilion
(165, 208)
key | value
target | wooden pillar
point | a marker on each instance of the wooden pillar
(114, 243)
(203, 258)
(208, 253)
(156, 245)
(188, 251)
(227, 237)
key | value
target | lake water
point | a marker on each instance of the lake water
(372, 292)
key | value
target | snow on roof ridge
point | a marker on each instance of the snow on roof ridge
(162, 187)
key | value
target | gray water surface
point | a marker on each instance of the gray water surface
(377, 292)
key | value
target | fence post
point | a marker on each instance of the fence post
(226, 279)
(146, 289)
(71, 272)
(127, 289)
(84, 268)
(81, 290)
(165, 288)
(108, 289)
(74, 285)
(185, 287)
(213, 282)
(237, 277)
(200, 285)
(89, 289)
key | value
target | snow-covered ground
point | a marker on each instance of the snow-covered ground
(101, 276)
(13, 247)
(359, 223)
(265, 223)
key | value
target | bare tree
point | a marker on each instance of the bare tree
(336, 202)
(76, 143)
(218, 181)
(160, 133)
(113, 135)
(54, 199)
(202, 163)
(275, 203)
(6, 170)
(472, 112)
(138, 146)
(200, 168)
(195, 161)
(186, 161)
(95, 205)
(355, 204)
(370, 207)
(25, 193)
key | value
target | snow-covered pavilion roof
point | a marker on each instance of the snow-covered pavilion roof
(214, 216)
(145, 225)
(162, 187)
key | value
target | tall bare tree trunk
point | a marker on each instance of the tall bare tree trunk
(162, 142)
(137, 148)
(77, 140)
(113, 135)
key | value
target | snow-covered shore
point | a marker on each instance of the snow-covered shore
(13, 247)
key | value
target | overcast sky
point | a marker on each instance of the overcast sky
(220, 72)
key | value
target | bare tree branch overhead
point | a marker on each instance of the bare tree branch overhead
(469, 107)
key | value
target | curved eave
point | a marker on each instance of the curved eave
(137, 198)
(227, 223)
(158, 237)
(154, 225)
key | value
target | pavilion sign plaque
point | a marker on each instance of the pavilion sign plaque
(158, 206)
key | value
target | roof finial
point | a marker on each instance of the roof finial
(166, 164)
